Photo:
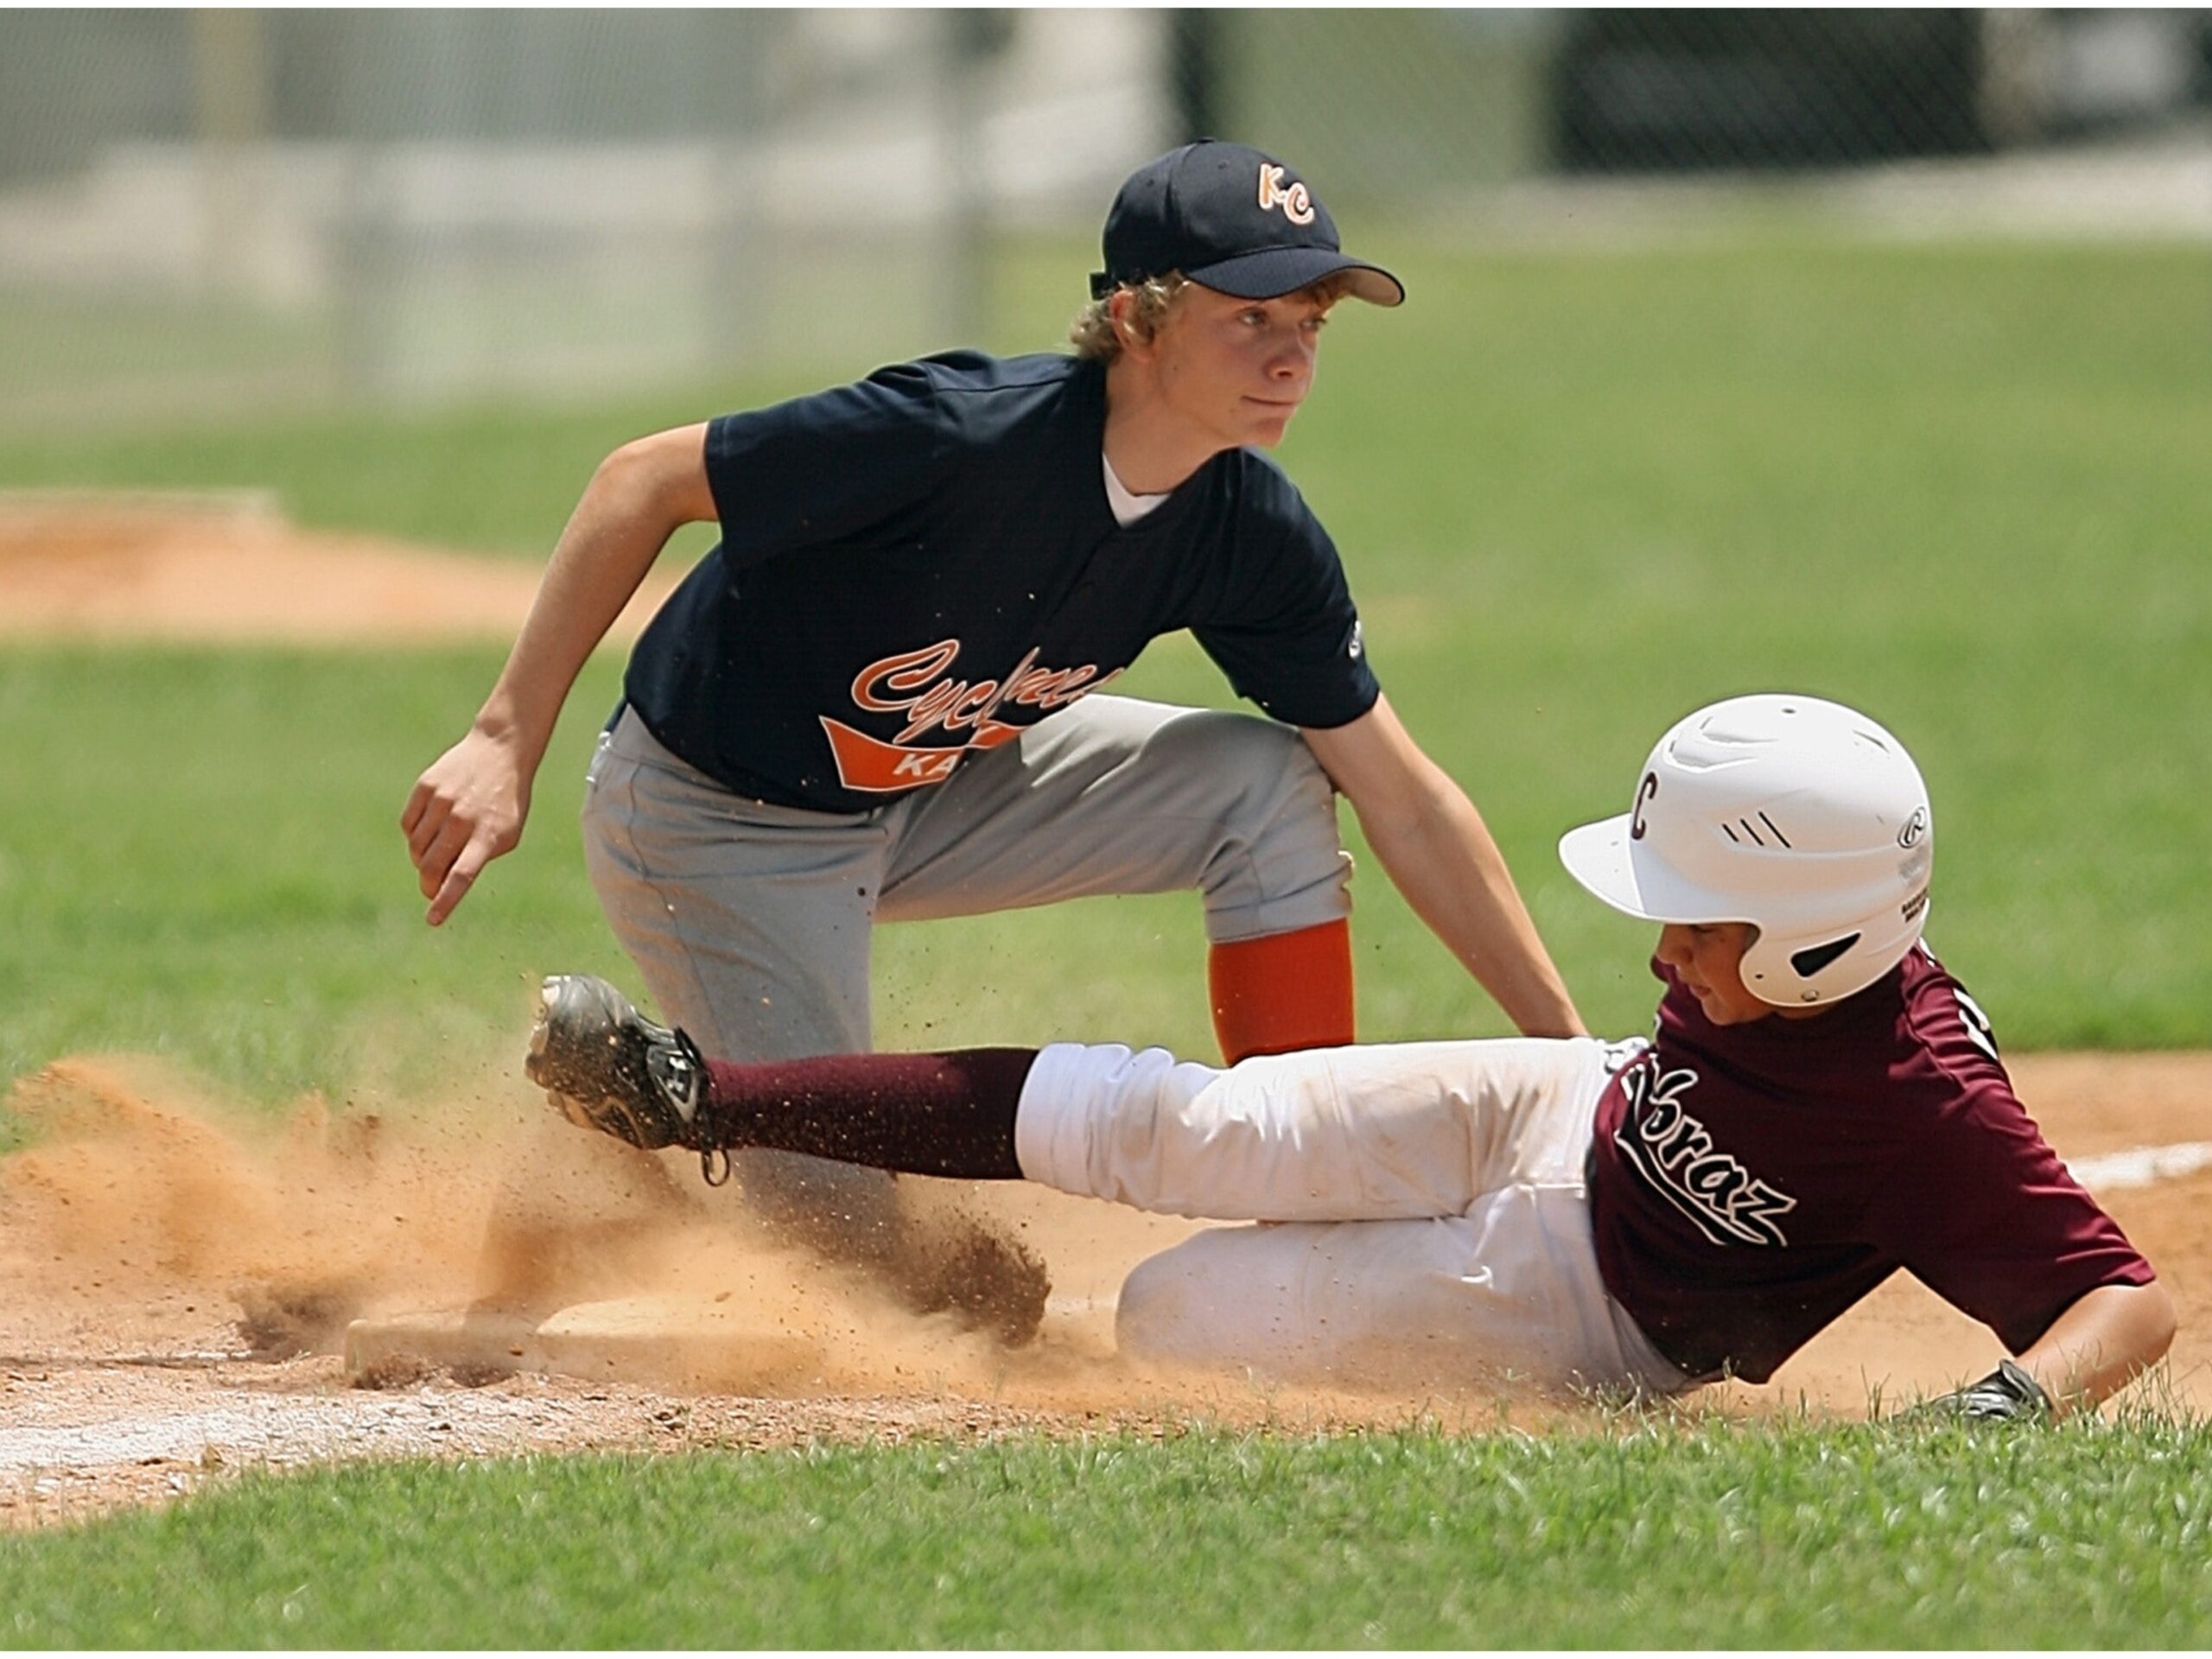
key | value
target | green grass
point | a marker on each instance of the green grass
(1664, 1536)
(200, 859)
(1960, 486)
(75, 354)
(494, 480)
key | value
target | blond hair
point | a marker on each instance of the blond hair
(1093, 334)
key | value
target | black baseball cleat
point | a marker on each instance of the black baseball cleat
(608, 1067)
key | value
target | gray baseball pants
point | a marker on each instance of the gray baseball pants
(750, 923)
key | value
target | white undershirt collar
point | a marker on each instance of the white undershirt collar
(1127, 505)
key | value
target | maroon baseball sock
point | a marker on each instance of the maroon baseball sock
(950, 1114)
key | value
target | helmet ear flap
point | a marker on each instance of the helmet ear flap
(1809, 961)
(1771, 972)
(1803, 970)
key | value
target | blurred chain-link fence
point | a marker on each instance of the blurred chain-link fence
(206, 208)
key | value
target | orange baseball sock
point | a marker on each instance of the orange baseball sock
(1284, 992)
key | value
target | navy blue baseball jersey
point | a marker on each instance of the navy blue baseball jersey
(1749, 1183)
(925, 563)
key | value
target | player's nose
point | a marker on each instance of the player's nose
(1292, 362)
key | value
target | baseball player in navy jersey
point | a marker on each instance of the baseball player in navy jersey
(880, 697)
(1820, 1106)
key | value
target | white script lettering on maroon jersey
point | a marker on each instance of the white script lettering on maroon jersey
(1677, 1153)
(1748, 1183)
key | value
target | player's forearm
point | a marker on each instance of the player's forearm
(2101, 1344)
(635, 502)
(1441, 856)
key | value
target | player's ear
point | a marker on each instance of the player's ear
(1137, 321)
(1121, 312)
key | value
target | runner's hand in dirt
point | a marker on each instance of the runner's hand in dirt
(466, 811)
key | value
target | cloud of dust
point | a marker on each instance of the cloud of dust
(138, 1182)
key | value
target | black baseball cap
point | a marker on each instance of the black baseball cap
(1233, 218)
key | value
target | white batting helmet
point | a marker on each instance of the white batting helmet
(1802, 817)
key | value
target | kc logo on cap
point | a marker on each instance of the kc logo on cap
(1234, 219)
(1296, 202)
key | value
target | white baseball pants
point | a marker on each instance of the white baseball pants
(1422, 1209)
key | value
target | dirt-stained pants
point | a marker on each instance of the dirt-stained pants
(1423, 1209)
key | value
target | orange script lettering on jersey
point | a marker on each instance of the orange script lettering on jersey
(917, 684)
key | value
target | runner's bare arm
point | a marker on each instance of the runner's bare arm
(1437, 849)
(469, 806)
(2101, 1344)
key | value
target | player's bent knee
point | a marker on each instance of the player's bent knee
(1161, 1319)
(1280, 862)
(1248, 762)
(1211, 1303)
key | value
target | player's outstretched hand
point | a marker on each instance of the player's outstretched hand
(466, 809)
(2007, 1395)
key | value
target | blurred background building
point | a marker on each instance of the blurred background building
(202, 207)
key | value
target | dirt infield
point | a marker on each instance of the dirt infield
(175, 1281)
(231, 569)
(175, 1277)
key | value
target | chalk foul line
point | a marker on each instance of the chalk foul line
(2142, 1165)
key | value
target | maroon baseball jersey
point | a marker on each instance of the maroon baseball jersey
(1749, 1183)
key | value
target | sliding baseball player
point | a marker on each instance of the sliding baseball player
(1821, 1106)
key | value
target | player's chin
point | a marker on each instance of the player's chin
(1717, 1010)
(1730, 1013)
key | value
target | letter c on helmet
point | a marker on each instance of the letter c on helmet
(1646, 790)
